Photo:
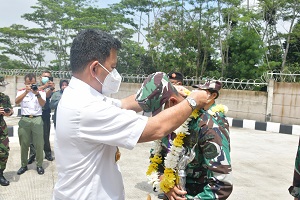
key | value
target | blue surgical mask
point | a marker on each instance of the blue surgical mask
(45, 79)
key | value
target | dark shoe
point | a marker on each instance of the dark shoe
(22, 170)
(49, 157)
(31, 159)
(3, 181)
(40, 170)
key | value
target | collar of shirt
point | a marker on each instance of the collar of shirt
(85, 88)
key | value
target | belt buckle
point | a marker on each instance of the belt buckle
(30, 116)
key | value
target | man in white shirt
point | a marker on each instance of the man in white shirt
(91, 126)
(31, 124)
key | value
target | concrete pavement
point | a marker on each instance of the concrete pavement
(262, 164)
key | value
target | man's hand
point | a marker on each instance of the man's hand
(176, 193)
(51, 85)
(2, 112)
(28, 89)
(184, 92)
(201, 98)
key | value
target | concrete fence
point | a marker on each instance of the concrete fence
(280, 104)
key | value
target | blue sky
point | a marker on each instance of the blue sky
(11, 11)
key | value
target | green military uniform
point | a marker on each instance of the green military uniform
(295, 188)
(209, 174)
(4, 141)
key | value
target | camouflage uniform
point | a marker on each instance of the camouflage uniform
(295, 188)
(209, 174)
(4, 141)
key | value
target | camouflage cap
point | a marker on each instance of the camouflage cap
(155, 92)
(210, 85)
(2, 81)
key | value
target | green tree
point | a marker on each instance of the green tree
(246, 52)
(62, 19)
(24, 43)
(7, 63)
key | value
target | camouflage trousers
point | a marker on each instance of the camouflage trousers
(4, 151)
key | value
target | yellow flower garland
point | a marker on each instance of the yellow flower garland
(170, 177)
(171, 160)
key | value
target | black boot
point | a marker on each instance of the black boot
(3, 181)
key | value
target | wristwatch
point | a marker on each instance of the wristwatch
(192, 102)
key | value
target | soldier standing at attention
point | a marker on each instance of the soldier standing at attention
(5, 110)
(31, 124)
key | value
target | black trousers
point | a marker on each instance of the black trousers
(47, 127)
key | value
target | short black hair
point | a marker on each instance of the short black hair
(30, 76)
(91, 45)
(46, 72)
(214, 91)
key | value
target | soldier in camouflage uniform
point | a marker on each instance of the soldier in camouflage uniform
(295, 188)
(209, 174)
(5, 110)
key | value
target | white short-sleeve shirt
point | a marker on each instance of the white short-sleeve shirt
(30, 103)
(89, 129)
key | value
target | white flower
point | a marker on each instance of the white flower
(211, 112)
(153, 179)
(172, 157)
(157, 147)
(225, 109)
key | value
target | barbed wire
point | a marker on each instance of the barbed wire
(227, 83)
(282, 76)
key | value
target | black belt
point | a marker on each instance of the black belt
(31, 116)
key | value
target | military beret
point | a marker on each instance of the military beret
(175, 75)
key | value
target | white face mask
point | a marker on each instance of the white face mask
(111, 82)
(2, 88)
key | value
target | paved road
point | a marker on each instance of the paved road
(262, 169)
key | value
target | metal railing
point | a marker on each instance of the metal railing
(228, 83)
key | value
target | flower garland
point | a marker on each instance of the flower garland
(218, 108)
(171, 160)
(152, 172)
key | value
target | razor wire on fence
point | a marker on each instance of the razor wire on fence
(23, 72)
(227, 83)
